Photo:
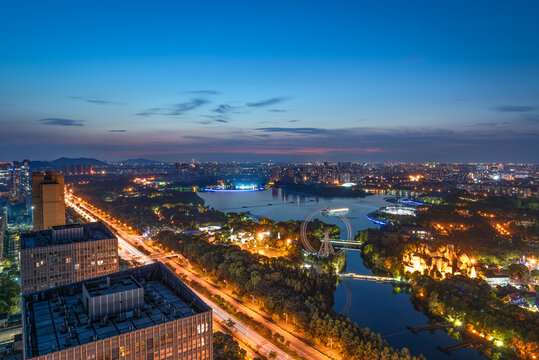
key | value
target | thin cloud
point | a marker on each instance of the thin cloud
(513, 108)
(175, 110)
(181, 108)
(225, 109)
(293, 121)
(277, 110)
(104, 102)
(118, 131)
(221, 121)
(217, 118)
(150, 111)
(489, 124)
(268, 102)
(202, 92)
(61, 122)
(530, 119)
(305, 130)
(96, 101)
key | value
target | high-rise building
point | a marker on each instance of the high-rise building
(65, 254)
(15, 177)
(48, 200)
(3, 225)
(141, 313)
(25, 176)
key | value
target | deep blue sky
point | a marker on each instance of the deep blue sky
(260, 80)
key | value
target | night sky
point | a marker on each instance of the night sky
(270, 80)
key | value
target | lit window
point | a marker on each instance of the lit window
(68, 260)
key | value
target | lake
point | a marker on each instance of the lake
(371, 304)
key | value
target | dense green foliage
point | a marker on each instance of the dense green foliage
(305, 295)
(474, 302)
(226, 348)
(9, 288)
(140, 207)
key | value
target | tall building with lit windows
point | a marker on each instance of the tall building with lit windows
(66, 254)
(144, 313)
(48, 200)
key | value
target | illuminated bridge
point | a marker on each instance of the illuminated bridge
(344, 242)
(386, 279)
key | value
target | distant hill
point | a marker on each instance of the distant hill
(58, 163)
(139, 162)
(78, 161)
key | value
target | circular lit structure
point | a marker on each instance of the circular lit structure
(325, 245)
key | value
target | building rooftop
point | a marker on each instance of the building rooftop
(111, 285)
(56, 319)
(66, 234)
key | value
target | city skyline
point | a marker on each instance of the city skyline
(448, 82)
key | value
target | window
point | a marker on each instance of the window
(68, 260)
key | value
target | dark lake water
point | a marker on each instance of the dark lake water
(371, 304)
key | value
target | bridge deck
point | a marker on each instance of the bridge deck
(373, 278)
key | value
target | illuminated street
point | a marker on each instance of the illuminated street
(247, 335)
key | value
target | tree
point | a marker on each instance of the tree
(518, 270)
(168, 240)
(226, 348)
(9, 295)
(230, 323)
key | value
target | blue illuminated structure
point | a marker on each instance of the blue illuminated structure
(379, 222)
(411, 202)
(261, 188)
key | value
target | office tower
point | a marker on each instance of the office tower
(15, 178)
(65, 254)
(25, 177)
(140, 313)
(48, 200)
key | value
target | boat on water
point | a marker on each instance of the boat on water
(335, 212)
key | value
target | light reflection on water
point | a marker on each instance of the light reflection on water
(374, 305)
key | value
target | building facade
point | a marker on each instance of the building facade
(66, 254)
(48, 200)
(167, 322)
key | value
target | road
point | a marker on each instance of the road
(248, 335)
